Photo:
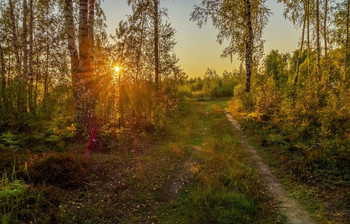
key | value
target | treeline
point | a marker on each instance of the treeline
(211, 85)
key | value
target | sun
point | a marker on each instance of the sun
(117, 68)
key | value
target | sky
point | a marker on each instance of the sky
(196, 47)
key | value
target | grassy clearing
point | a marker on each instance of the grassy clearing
(227, 188)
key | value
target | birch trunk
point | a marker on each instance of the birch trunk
(91, 22)
(325, 30)
(90, 102)
(74, 61)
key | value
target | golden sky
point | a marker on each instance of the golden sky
(197, 48)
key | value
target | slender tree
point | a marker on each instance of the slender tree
(347, 38)
(318, 42)
(74, 61)
(241, 23)
(325, 30)
(156, 41)
(25, 39)
(3, 78)
(300, 51)
(31, 52)
(16, 52)
(249, 45)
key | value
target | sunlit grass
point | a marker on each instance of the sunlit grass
(227, 188)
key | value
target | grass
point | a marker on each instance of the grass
(227, 189)
(124, 186)
(303, 193)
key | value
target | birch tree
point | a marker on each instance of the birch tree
(241, 23)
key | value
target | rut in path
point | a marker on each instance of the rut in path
(294, 212)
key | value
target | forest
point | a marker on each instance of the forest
(109, 128)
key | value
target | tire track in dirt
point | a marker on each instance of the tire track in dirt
(182, 176)
(289, 207)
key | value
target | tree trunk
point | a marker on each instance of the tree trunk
(308, 37)
(25, 39)
(139, 52)
(90, 102)
(156, 41)
(25, 57)
(325, 30)
(318, 45)
(31, 72)
(249, 46)
(91, 22)
(3, 78)
(347, 75)
(300, 51)
(74, 61)
(46, 78)
(16, 52)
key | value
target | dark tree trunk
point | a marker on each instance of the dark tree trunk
(308, 37)
(25, 39)
(318, 44)
(3, 78)
(16, 52)
(156, 42)
(249, 46)
(347, 75)
(300, 51)
(31, 72)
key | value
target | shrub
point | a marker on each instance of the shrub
(62, 170)
(23, 203)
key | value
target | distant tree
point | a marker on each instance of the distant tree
(276, 66)
(241, 23)
(341, 33)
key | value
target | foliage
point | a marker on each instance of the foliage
(63, 170)
(11, 197)
(211, 85)
(22, 203)
(309, 121)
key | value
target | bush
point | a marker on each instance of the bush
(23, 203)
(62, 170)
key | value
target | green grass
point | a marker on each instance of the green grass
(304, 194)
(227, 189)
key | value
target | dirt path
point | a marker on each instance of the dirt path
(182, 176)
(294, 212)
